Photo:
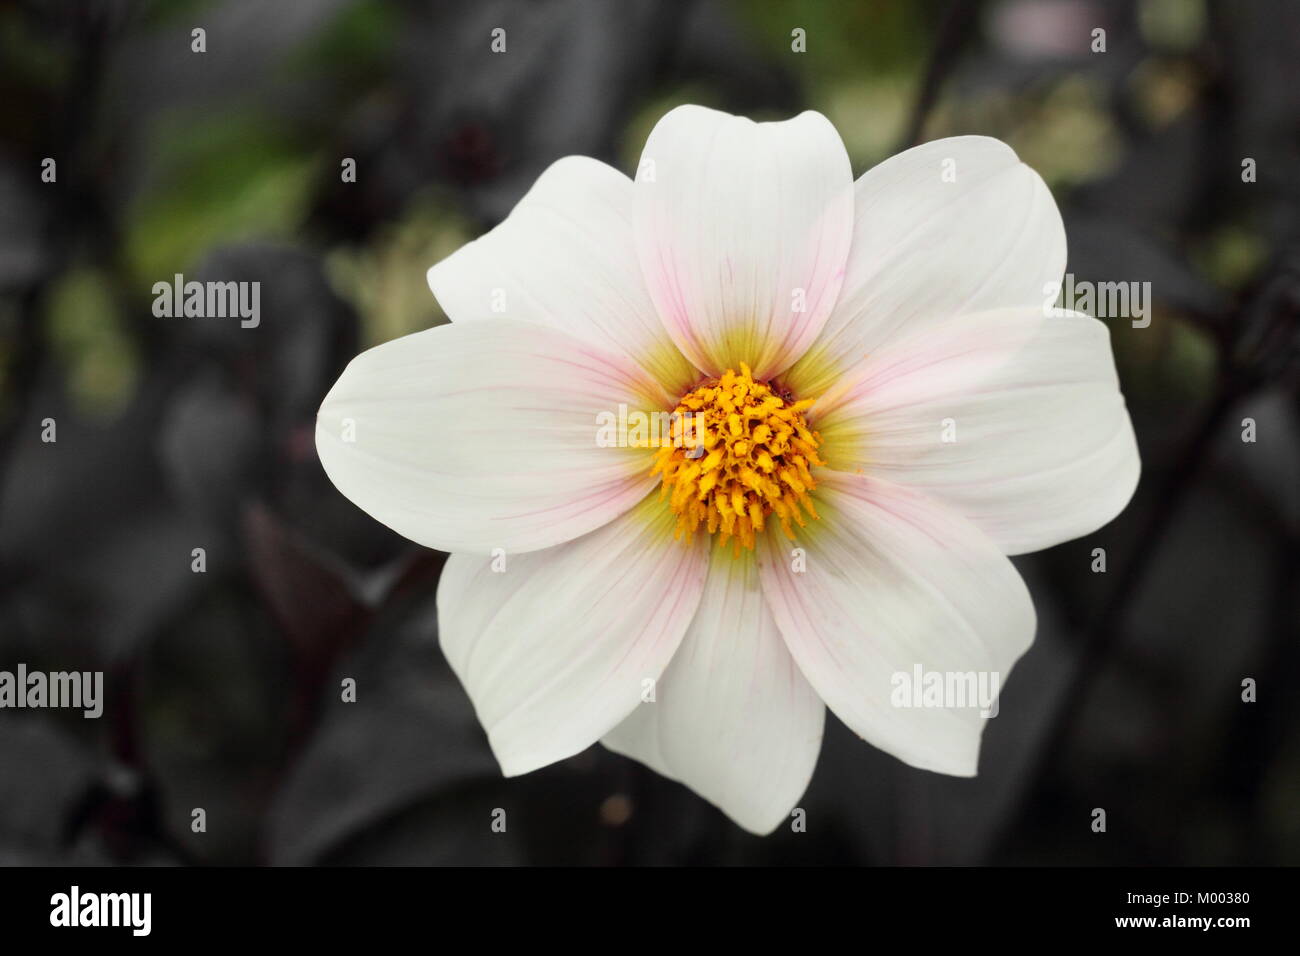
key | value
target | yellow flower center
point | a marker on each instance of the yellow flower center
(740, 453)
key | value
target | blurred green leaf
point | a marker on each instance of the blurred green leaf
(230, 180)
(100, 364)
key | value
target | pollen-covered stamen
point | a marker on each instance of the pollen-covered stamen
(740, 453)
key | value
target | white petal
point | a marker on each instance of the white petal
(926, 249)
(1013, 417)
(743, 229)
(566, 257)
(556, 649)
(894, 581)
(482, 435)
(733, 718)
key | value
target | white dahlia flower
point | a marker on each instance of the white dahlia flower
(869, 405)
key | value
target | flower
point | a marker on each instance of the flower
(871, 408)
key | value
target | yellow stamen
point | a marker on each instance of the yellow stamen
(740, 452)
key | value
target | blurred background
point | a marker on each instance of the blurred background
(223, 686)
